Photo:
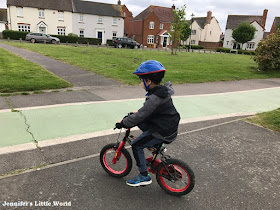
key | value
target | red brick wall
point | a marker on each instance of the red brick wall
(136, 28)
(210, 45)
(147, 31)
(127, 19)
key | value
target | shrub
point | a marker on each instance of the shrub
(16, 35)
(222, 49)
(80, 40)
(109, 42)
(268, 53)
(73, 35)
(246, 52)
(195, 47)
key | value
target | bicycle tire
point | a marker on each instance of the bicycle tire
(180, 173)
(124, 162)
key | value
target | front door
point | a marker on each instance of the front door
(164, 42)
(42, 30)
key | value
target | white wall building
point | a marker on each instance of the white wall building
(234, 20)
(205, 29)
(84, 18)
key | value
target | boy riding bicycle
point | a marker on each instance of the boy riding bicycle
(157, 118)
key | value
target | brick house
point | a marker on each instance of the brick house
(233, 22)
(150, 28)
(127, 18)
(276, 22)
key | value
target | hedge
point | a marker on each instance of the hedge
(80, 40)
(110, 42)
(227, 50)
(195, 47)
(16, 35)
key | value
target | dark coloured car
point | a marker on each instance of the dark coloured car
(125, 42)
(40, 37)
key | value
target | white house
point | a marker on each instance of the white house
(84, 18)
(3, 19)
(98, 20)
(234, 20)
(205, 31)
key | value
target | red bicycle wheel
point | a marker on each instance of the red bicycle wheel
(175, 177)
(123, 165)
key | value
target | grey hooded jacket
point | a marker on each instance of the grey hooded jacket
(158, 112)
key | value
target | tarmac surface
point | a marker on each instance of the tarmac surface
(236, 163)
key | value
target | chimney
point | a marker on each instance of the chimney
(173, 7)
(264, 17)
(119, 3)
(208, 18)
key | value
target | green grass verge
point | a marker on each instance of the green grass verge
(269, 120)
(182, 68)
(17, 74)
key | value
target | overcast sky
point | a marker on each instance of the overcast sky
(220, 8)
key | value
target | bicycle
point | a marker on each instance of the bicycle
(173, 176)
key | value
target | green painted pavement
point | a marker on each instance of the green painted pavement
(54, 122)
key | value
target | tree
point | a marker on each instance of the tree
(186, 31)
(177, 27)
(268, 53)
(277, 27)
(245, 32)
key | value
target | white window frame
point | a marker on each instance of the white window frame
(114, 34)
(24, 27)
(124, 14)
(193, 32)
(152, 25)
(193, 42)
(150, 39)
(81, 18)
(60, 15)
(250, 46)
(100, 20)
(20, 11)
(82, 33)
(61, 31)
(161, 26)
(115, 21)
(41, 13)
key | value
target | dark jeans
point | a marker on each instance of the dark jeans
(143, 141)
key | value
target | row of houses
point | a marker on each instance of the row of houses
(106, 21)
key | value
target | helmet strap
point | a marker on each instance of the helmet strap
(146, 86)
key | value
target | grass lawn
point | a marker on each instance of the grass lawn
(182, 68)
(17, 74)
(269, 120)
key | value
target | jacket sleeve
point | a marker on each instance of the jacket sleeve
(144, 112)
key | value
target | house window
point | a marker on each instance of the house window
(60, 15)
(24, 27)
(227, 42)
(114, 35)
(81, 18)
(61, 31)
(161, 26)
(115, 21)
(192, 41)
(210, 32)
(41, 13)
(124, 14)
(100, 20)
(193, 32)
(82, 33)
(19, 11)
(171, 28)
(150, 39)
(152, 25)
(250, 46)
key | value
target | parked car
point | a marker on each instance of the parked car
(125, 42)
(40, 37)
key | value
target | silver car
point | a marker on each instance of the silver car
(40, 37)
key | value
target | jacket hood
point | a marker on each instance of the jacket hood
(162, 91)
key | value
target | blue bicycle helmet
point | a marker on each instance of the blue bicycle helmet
(149, 67)
(152, 70)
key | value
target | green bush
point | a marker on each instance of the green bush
(80, 40)
(195, 47)
(110, 42)
(16, 35)
(246, 52)
(222, 49)
(268, 53)
(73, 35)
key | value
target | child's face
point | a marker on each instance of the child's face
(148, 82)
